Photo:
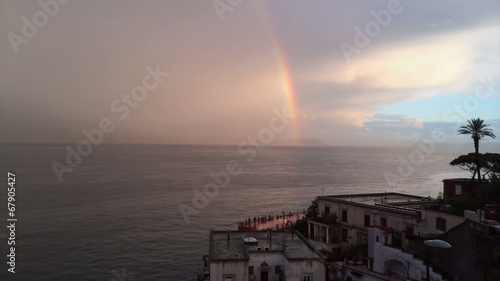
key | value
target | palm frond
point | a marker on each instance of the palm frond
(489, 133)
(476, 128)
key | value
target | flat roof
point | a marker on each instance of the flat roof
(388, 201)
(377, 198)
(297, 247)
(459, 179)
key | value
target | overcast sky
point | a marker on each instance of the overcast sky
(64, 67)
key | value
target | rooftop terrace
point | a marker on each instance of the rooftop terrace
(230, 245)
(388, 198)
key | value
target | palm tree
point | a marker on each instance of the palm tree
(477, 129)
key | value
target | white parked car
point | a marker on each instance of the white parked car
(494, 225)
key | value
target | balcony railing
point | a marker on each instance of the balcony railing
(326, 219)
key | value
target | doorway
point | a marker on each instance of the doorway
(264, 276)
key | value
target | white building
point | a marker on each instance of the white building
(343, 219)
(394, 262)
(437, 220)
(263, 256)
(389, 263)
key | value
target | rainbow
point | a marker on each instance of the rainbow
(287, 84)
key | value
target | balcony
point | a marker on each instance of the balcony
(326, 219)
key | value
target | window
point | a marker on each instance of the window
(361, 238)
(250, 270)
(383, 221)
(441, 224)
(409, 230)
(344, 234)
(228, 278)
(327, 210)
(306, 277)
(277, 269)
(458, 189)
(367, 220)
(344, 215)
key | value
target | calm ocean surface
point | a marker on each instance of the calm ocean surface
(120, 208)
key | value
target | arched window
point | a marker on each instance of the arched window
(441, 224)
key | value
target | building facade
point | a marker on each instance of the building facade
(459, 187)
(439, 219)
(264, 256)
(344, 219)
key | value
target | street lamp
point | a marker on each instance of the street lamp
(434, 244)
